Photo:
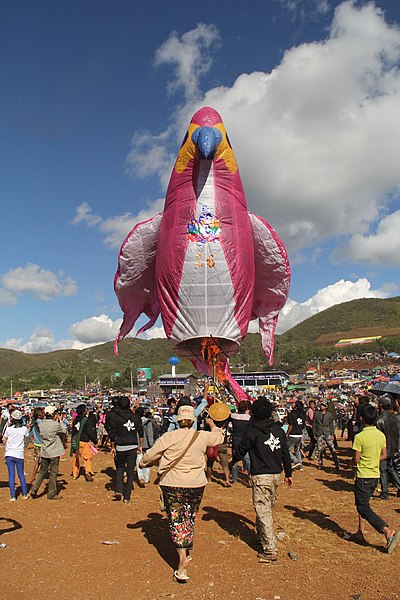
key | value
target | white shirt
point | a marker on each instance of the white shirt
(15, 440)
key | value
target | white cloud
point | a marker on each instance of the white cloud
(101, 329)
(341, 291)
(149, 155)
(95, 330)
(318, 138)
(154, 332)
(379, 248)
(13, 344)
(70, 287)
(190, 56)
(84, 334)
(32, 279)
(6, 297)
(41, 340)
(304, 9)
(84, 214)
(116, 228)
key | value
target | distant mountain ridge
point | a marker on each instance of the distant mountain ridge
(132, 351)
(363, 317)
(368, 316)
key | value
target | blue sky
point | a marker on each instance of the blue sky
(96, 97)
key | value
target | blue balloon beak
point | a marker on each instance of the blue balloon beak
(207, 140)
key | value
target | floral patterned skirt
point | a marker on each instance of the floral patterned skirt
(181, 506)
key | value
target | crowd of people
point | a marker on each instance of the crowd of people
(267, 436)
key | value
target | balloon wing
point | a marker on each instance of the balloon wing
(135, 280)
(272, 280)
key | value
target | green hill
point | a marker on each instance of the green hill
(366, 314)
(315, 336)
(70, 368)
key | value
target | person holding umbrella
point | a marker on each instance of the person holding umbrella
(389, 425)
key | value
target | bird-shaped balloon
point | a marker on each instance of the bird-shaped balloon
(205, 264)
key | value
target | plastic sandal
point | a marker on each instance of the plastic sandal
(181, 577)
(392, 542)
(267, 556)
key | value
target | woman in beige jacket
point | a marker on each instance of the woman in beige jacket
(182, 483)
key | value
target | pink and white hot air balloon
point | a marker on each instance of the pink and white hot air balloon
(205, 264)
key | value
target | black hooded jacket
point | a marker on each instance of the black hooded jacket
(389, 425)
(89, 432)
(110, 419)
(126, 428)
(266, 443)
(297, 421)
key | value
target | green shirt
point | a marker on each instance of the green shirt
(370, 443)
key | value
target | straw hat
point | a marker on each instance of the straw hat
(219, 411)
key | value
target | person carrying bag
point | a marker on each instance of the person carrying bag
(84, 434)
(76, 438)
(172, 466)
(182, 479)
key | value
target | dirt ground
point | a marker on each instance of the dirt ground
(55, 549)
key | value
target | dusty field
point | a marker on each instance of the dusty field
(55, 550)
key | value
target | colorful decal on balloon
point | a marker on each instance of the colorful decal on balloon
(204, 229)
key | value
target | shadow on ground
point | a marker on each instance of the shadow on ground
(237, 525)
(323, 521)
(111, 473)
(14, 525)
(337, 485)
(156, 531)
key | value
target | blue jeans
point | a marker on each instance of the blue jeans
(235, 468)
(295, 444)
(12, 464)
